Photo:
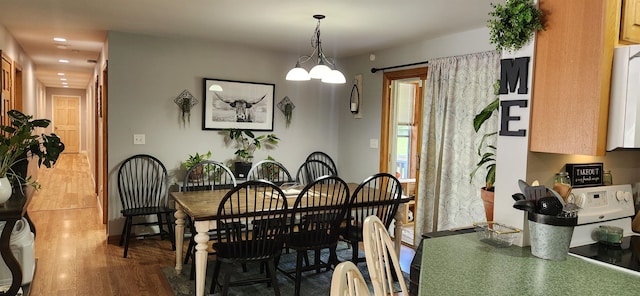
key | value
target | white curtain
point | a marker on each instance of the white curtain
(457, 88)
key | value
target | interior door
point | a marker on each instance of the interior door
(5, 90)
(401, 134)
(66, 121)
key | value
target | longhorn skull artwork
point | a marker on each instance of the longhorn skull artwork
(243, 107)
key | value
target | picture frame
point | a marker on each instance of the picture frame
(237, 104)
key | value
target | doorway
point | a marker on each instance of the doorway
(66, 121)
(401, 136)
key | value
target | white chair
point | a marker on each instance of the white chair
(348, 281)
(381, 255)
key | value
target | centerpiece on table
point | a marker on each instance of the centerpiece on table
(247, 143)
(18, 144)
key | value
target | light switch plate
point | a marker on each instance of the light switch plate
(373, 143)
(138, 139)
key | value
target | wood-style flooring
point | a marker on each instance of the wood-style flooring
(73, 256)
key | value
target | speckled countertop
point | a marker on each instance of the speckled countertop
(463, 265)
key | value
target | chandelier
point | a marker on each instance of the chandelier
(325, 68)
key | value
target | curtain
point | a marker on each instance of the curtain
(457, 88)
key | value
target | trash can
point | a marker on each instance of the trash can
(550, 236)
(22, 246)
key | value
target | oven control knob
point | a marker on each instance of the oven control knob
(620, 195)
(628, 196)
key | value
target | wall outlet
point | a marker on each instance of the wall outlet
(138, 139)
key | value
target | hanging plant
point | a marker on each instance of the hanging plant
(513, 24)
(185, 100)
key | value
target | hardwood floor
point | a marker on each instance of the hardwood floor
(73, 257)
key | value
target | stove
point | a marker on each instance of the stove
(606, 206)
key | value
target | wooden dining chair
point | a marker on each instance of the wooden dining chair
(347, 280)
(271, 171)
(323, 157)
(377, 195)
(142, 187)
(314, 225)
(250, 201)
(381, 257)
(212, 175)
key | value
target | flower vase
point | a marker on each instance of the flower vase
(5, 190)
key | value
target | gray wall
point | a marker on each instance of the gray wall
(146, 73)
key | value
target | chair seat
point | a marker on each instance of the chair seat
(146, 211)
(309, 239)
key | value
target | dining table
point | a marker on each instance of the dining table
(202, 208)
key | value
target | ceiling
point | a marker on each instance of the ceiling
(351, 27)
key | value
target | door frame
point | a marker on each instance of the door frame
(387, 79)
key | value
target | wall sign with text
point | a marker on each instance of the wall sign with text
(513, 73)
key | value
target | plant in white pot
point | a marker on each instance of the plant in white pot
(247, 143)
(16, 143)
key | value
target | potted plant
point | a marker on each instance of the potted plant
(17, 141)
(193, 160)
(487, 153)
(513, 24)
(247, 143)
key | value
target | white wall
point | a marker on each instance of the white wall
(146, 73)
(356, 159)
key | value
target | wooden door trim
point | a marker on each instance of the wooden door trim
(387, 78)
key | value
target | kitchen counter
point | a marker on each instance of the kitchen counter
(463, 265)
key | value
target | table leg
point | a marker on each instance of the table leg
(397, 231)
(202, 239)
(179, 214)
(10, 260)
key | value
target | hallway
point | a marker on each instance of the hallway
(73, 257)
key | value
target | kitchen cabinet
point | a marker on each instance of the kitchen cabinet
(630, 23)
(571, 76)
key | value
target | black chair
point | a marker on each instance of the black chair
(314, 169)
(250, 201)
(271, 171)
(205, 175)
(321, 156)
(377, 195)
(142, 186)
(314, 224)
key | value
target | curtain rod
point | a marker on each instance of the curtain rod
(374, 70)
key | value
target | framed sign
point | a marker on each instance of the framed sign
(585, 174)
(237, 104)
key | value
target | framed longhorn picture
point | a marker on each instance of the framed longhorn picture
(237, 104)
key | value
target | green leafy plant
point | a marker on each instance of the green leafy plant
(17, 141)
(513, 24)
(487, 152)
(193, 160)
(248, 142)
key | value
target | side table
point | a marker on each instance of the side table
(12, 211)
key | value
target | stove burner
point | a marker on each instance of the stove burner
(626, 255)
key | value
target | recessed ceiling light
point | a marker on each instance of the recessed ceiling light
(64, 83)
(65, 86)
(63, 79)
(63, 61)
(61, 74)
(59, 39)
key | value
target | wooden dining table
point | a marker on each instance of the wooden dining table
(202, 208)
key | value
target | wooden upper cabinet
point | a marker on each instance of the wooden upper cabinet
(572, 72)
(630, 23)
